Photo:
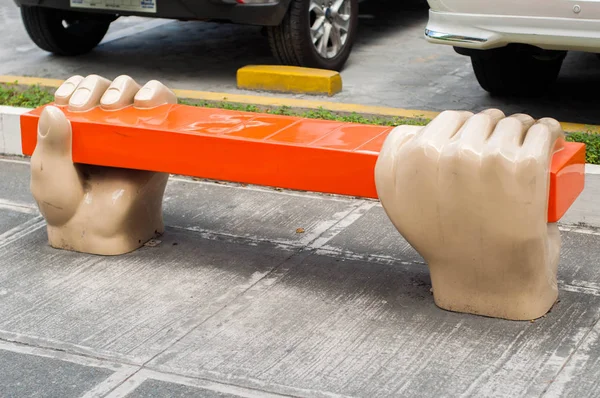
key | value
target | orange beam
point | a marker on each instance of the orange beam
(262, 149)
(567, 177)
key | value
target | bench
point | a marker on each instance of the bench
(252, 148)
(482, 210)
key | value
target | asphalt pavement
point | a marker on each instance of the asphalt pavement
(391, 65)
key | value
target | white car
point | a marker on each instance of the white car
(516, 46)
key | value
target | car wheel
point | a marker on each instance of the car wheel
(64, 32)
(516, 71)
(316, 33)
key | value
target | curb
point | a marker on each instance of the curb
(291, 102)
(10, 135)
(10, 130)
(289, 79)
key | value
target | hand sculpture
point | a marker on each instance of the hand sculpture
(94, 209)
(470, 194)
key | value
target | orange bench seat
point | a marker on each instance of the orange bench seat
(254, 148)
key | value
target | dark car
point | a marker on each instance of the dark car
(310, 33)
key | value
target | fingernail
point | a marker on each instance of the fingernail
(54, 129)
(145, 94)
(111, 96)
(154, 93)
(65, 90)
(81, 97)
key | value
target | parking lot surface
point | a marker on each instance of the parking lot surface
(233, 302)
(391, 65)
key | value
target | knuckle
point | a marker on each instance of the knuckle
(512, 122)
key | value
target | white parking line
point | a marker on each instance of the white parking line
(579, 230)
(18, 207)
(258, 188)
(227, 389)
(64, 356)
(21, 230)
(121, 371)
(126, 378)
(111, 383)
(16, 161)
(335, 229)
(575, 287)
(127, 386)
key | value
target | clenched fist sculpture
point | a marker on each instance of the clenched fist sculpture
(87, 208)
(470, 194)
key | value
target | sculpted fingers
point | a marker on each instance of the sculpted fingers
(120, 93)
(88, 93)
(527, 120)
(472, 136)
(55, 182)
(394, 141)
(54, 132)
(154, 94)
(439, 131)
(385, 168)
(542, 140)
(534, 162)
(507, 138)
(65, 91)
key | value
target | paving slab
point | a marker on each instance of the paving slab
(162, 389)
(15, 182)
(580, 260)
(382, 243)
(11, 219)
(580, 212)
(32, 376)
(254, 213)
(581, 375)
(362, 329)
(132, 306)
(233, 301)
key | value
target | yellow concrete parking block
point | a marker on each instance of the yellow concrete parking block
(289, 79)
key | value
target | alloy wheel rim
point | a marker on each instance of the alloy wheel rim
(330, 25)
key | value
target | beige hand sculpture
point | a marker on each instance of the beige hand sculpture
(94, 209)
(470, 194)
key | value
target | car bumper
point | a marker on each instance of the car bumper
(269, 14)
(480, 31)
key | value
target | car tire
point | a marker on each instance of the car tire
(291, 42)
(64, 32)
(516, 71)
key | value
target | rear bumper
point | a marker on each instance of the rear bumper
(479, 31)
(220, 10)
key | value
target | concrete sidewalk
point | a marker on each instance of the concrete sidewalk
(233, 302)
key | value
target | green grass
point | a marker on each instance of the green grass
(30, 97)
(592, 145)
(319, 113)
(33, 96)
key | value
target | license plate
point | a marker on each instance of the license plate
(148, 6)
